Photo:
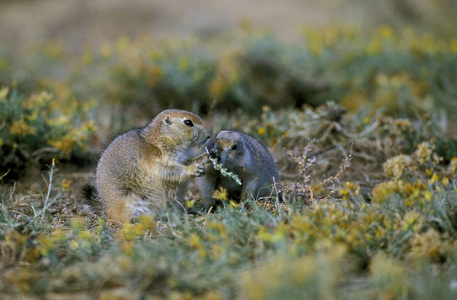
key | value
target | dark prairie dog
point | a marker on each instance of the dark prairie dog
(144, 169)
(244, 156)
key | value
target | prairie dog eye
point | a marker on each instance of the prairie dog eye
(188, 123)
(234, 147)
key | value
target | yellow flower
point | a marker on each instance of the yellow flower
(434, 179)
(221, 194)
(85, 235)
(429, 172)
(138, 229)
(331, 36)
(220, 229)
(350, 186)
(428, 196)
(38, 100)
(429, 44)
(4, 92)
(430, 245)
(383, 190)
(128, 232)
(15, 239)
(386, 32)
(234, 204)
(353, 101)
(65, 184)
(216, 251)
(453, 46)
(105, 50)
(127, 247)
(379, 232)
(424, 152)
(59, 235)
(122, 44)
(65, 144)
(315, 42)
(445, 181)
(261, 131)
(32, 117)
(147, 222)
(411, 219)
(21, 128)
(344, 193)
(403, 124)
(196, 243)
(46, 244)
(396, 166)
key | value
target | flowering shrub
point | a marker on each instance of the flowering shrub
(38, 128)
(395, 73)
(388, 71)
(147, 76)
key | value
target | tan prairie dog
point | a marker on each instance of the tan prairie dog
(244, 156)
(144, 170)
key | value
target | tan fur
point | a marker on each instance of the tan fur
(247, 158)
(143, 170)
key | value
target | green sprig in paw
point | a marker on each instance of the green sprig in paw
(220, 168)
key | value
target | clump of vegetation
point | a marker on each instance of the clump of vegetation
(389, 72)
(38, 128)
(243, 72)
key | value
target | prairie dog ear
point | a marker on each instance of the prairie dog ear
(167, 120)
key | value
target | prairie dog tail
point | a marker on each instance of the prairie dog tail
(91, 198)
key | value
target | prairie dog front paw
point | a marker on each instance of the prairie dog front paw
(195, 170)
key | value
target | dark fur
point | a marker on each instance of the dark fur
(250, 160)
(91, 198)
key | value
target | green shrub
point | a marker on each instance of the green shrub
(388, 72)
(40, 127)
(145, 77)
(401, 74)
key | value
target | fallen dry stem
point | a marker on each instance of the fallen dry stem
(304, 164)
